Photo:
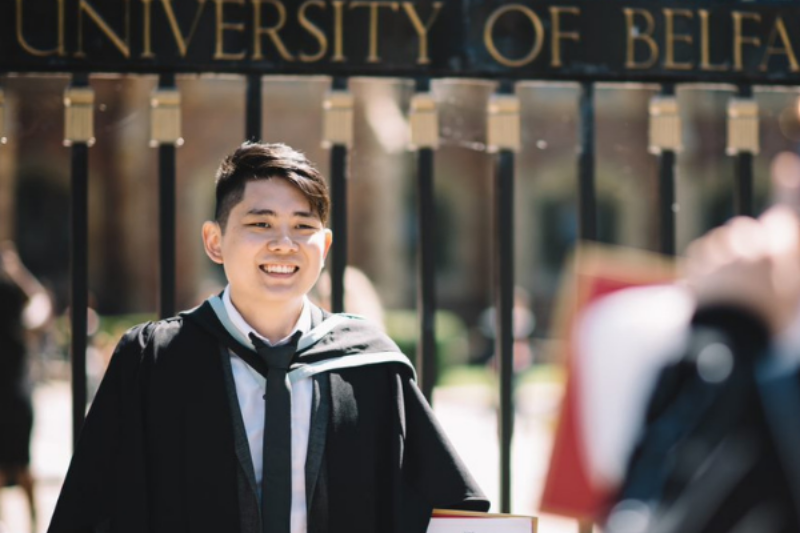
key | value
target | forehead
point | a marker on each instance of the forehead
(275, 194)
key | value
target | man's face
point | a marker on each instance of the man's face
(273, 247)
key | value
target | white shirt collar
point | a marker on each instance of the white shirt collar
(303, 323)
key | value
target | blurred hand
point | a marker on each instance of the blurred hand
(9, 258)
(751, 264)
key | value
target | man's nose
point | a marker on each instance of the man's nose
(282, 242)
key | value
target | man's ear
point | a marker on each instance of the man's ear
(328, 241)
(212, 241)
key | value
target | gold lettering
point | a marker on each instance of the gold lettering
(635, 34)
(671, 37)
(557, 36)
(313, 30)
(373, 25)
(740, 40)
(58, 50)
(147, 53)
(338, 30)
(422, 29)
(122, 46)
(272, 31)
(182, 42)
(779, 29)
(223, 26)
(488, 35)
(705, 49)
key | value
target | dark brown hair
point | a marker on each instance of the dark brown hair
(262, 161)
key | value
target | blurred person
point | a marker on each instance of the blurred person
(718, 451)
(24, 306)
(523, 324)
(258, 412)
(360, 296)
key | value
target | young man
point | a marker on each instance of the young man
(180, 437)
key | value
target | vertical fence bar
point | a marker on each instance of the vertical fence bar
(666, 202)
(666, 191)
(743, 143)
(504, 294)
(3, 139)
(504, 138)
(79, 134)
(338, 225)
(587, 202)
(253, 107)
(587, 199)
(425, 139)
(743, 197)
(665, 141)
(165, 133)
(339, 135)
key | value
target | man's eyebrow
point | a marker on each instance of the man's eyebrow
(270, 212)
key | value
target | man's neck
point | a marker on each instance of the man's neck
(272, 321)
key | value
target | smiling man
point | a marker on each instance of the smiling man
(258, 412)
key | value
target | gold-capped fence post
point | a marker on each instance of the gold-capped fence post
(165, 117)
(78, 115)
(666, 142)
(503, 139)
(743, 143)
(424, 122)
(337, 135)
(165, 134)
(504, 123)
(79, 135)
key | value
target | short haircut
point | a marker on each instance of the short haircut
(261, 161)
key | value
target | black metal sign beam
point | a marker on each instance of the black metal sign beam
(711, 40)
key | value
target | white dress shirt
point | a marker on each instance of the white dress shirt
(250, 390)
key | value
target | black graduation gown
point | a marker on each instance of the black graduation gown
(157, 451)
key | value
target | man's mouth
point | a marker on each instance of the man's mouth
(279, 269)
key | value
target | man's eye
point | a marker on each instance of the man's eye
(305, 226)
(260, 224)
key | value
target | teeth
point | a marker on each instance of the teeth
(280, 269)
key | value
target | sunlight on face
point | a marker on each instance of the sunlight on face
(273, 247)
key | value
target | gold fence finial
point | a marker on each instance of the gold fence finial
(165, 117)
(742, 126)
(504, 130)
(423, 118)
(337, 127)
(78, 115)
(665, 125)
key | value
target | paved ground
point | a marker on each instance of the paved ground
(467, 414)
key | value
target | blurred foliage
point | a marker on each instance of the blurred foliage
(452, 345)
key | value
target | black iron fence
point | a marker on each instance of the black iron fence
(584, 41)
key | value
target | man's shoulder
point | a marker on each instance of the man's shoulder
(163, 336)
(345, 343)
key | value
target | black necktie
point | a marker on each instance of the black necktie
(276, 478)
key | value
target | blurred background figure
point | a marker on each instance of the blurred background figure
(523, 323)
(360, 296)
(25, 307)
(718, 451)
